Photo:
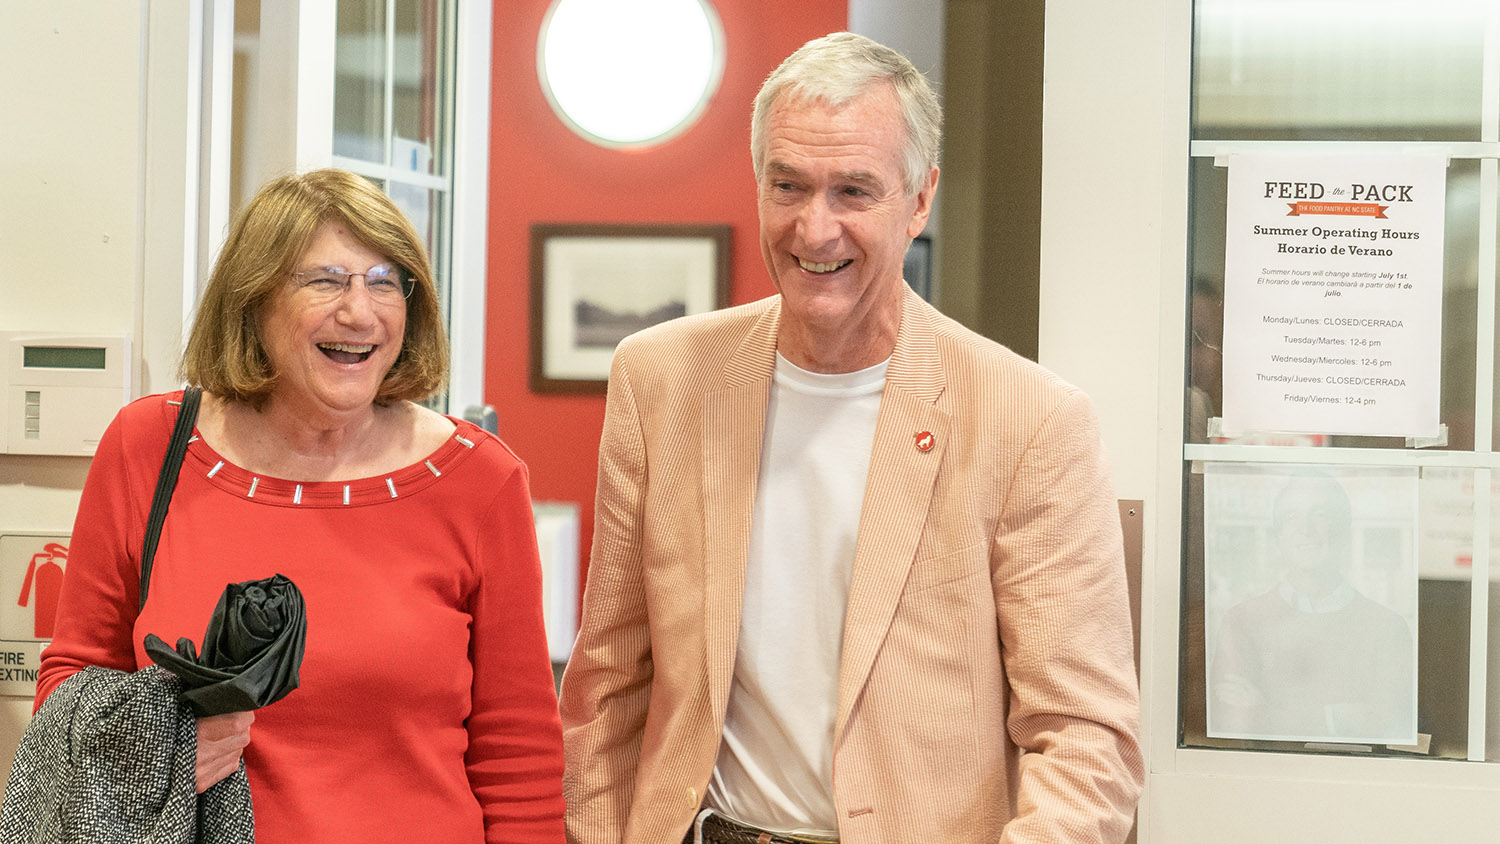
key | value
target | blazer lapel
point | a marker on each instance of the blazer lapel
(733, 427)
(897, 494)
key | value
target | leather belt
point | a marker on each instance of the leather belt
(718, 829)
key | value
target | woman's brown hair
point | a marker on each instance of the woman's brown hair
(225, 353)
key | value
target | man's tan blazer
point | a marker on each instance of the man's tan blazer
(986, 689)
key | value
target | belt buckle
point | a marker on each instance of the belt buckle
(742, 832)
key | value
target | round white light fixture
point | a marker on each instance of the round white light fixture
(630, 73)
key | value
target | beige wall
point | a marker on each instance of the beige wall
(99, 156)
(69, 220)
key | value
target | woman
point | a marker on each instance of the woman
(426, 709)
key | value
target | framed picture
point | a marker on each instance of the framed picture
(916, 268)
(591, 285)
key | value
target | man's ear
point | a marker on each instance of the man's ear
(924, 205)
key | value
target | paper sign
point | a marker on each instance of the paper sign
(32, 566)
(31, 575)
(1333, 283)
(1310, 603)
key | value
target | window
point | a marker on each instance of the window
(393, 115)
(1415, 519)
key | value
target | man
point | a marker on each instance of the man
(850, 559)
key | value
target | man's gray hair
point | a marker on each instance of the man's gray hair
(837, 68)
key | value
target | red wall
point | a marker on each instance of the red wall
(541, 172)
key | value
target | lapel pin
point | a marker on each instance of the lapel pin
(925, 441)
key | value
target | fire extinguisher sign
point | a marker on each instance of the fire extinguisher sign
(32, 566)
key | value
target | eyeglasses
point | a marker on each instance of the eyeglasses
(387, 284)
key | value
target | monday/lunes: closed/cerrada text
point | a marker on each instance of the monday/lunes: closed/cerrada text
(1334, 322)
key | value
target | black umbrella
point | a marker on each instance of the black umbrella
(252, 649)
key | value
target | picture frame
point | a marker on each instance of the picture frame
(594, 284)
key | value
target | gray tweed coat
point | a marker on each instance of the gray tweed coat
(109, 758)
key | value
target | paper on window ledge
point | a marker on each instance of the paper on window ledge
(1310, 600)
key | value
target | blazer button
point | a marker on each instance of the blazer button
(692, 796)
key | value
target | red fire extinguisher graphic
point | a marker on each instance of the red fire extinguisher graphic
(48, 577)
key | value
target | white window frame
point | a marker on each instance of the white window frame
(470, 229)
(296, 115)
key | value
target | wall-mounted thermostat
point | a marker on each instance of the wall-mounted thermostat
(61, 390)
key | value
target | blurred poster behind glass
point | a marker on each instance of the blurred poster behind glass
(1447, 524)
(415, 200)
(1311, 602)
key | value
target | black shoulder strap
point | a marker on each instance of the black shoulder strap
(166, 482)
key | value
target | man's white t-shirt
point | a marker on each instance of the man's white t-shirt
(775, 765)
